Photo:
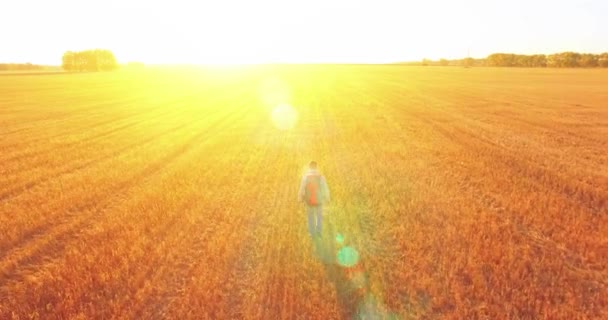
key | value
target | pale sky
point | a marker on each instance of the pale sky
(250, 31)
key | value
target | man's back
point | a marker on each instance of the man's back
(313, 188)
(314, 192)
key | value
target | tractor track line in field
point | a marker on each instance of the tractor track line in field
(43, 228)
(92, 127)
(192, 239)
(41, 123)
(514, 162)
(534, 236)
(241, 255)
(227, 229)
(187, 264)
(212, 127)
(99, 137)
(227, 226)
(151, 140)
(88, 139)
(102, 136)
(15, 191)
(84, 220)
(529, 122)
(85, 115)
(150, 273)
(154, 306)
(573, 260)
(240, 268)
(538, 177)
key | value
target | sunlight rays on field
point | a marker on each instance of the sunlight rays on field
(284, 117)
(171, 193)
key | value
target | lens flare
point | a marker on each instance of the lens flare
(347, 257)
(284, 117)
(340, 238)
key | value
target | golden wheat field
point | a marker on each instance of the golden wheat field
(171, 193)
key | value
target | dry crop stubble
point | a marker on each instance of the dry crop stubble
(467, 193)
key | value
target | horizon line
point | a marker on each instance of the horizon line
(211, 64)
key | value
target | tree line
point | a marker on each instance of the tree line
(89, 60)
(558, 60)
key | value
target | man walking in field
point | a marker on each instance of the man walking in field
(314, 193)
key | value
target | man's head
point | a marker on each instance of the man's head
(312, 165)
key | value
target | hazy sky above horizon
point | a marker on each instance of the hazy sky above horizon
(242, 31)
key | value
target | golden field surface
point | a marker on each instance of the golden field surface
(172, 193)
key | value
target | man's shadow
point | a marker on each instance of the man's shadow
(350, 282)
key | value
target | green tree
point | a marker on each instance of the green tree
(106, 60)
(588, 60)
(501, 60)
(602, 60)
(68, 61)
(539, 60)
(89, 60)
(468, 62)
(564, 60)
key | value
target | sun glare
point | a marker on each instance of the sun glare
(284, 117)
(273, 91)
